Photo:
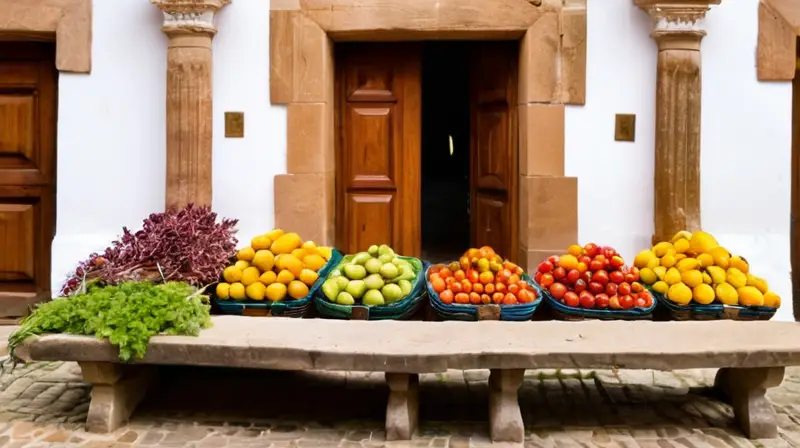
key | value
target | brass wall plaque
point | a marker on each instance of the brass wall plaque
(625, 128)
(234, 124)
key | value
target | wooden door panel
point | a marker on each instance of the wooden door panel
(370, 150)
(378, 147)
(28, 83)
(369, 219)
(493, 128)
(491, 215)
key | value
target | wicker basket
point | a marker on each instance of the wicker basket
(398, 310)
(563, 312)
(467, 312)
(712, 311)
(288, 308)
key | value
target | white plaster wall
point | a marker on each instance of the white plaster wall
(111, 134)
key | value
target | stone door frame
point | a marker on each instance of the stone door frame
(552, 73)
(67, 22)
(778, 32)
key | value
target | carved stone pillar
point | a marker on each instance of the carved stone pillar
(678, 30)
(190, 27)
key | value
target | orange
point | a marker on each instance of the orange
(445, 273)
(486, 298)
(446, 296)
(514, 279)
(477, 287)
(462, 297)
(464, 262)
(486, 277)
(488, 288)
(438, 284)
(475, 298)
(486, 252)
(513, 288)
(466, 286)
(459, 275)
(510, 299)
(498, 297)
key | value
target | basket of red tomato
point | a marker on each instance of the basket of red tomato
(481, 285)
(593, 282)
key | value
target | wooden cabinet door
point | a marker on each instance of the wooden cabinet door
(378, 147)
(493, 161)
(27, 174)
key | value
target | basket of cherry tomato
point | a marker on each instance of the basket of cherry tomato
(593, 282)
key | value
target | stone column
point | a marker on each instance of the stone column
(678, 30)
(190, 27)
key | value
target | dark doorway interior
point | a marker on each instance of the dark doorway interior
(445, 175)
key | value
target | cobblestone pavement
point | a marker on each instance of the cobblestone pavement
(45, 405)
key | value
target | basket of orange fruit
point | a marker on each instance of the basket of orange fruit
(481, 285)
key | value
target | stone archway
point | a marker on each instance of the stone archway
(68, 22)
(552, 73)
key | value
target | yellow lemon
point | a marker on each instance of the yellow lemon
(682, 235)
(707, 278)
(758, 282)
(750, 296)
(681, 245)
(660, 271)
(702, 242)
(314, 262)
(661, 248)
(721, 257)
(736, 278)
(264, 260)
(705, 260)
(297, 289)
(242, 265)
(727, 294)
(653, 263)
(276, 292)
(308, 276)
(268, 278)
(772, 300)
(256, 291)
(717, 274)
(692, 278)
(237, 291)
(703, 294)
(740, 264)
(250, 276)
(680, 257)
(284, 277)
(660, 287)
(232, 274)
(223, 290)
(274, 234)
(326, 252)
(246, 254)
(290, 263)
(643, 258)
(299, 253)
(261, 242)
(687, 264)
(310, 247)
(672, 277)
(680, 294)
(668, 260)
(286, 243)
(648, 276)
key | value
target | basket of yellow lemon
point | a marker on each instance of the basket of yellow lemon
(694, 278)
(276, 275)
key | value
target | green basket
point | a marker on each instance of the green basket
(286, 308)
(399, 310)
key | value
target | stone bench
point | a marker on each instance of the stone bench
(751, 357)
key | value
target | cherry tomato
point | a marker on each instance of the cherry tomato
(587, 299)
(557, 290)
(595, 288)
(591, 249)
(579, 286)
(600, 276)
(616, 277)
(624, 289)
(626, 302)
(611, 289)
(613, 303)
(462, 298)
(446, 296)
(571, 299)
(559, 273)
(573, 276)
(601, 301)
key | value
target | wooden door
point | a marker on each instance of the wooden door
(493, 136)
(28, 81)
(378, 147)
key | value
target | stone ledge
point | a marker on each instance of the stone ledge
(316, 344)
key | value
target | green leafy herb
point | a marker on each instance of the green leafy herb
(128, 315)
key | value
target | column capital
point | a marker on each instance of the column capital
(677, 24)
(189, 16)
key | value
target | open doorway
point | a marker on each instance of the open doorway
(445, 150)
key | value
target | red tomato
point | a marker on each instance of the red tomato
(459, 275)
(624, 289)
(510, 299)
(547, 280)
(609, 251)
(545, 267)
(591, 249)
(601, 301)
(571, 299)
(473, 276)
(596, 265)
(636, 287)
(635, 271)
(617, 261)
(600, 276)
(611, 289)
(456, 287)
(559, 273)
(640, 302)
(585, 259)
(557, 290)
(537, 277)
(613, 303)
(587, 299)
(573, 276)
(580, 285)
(626, 302)
(553, 259)
(616, 277)
(446, 296)
(595, 288)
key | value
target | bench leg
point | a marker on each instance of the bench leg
(505, 417)
(116, 391)
(402, 410)
(746, 390)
